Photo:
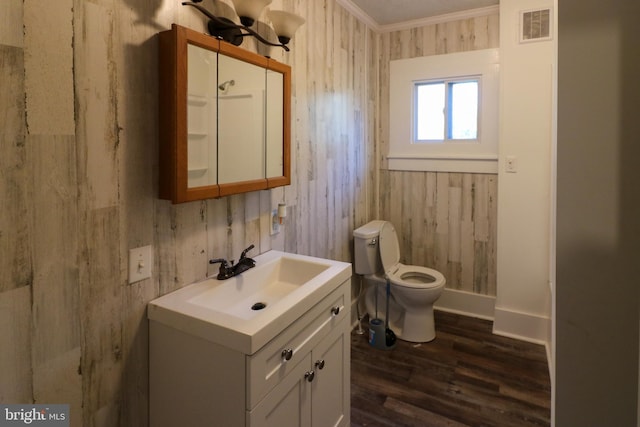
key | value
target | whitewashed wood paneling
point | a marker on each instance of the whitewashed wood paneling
(10, 18)
(48, 44)
(56, 326)
(446, 221)
(15, 358)
(87, 186)
(15, 242)
(339, 106)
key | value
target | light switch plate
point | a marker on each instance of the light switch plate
(140, 263)
(511, 164)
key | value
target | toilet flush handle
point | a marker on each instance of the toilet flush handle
(373, 242)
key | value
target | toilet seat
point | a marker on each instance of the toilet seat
(389, 248)
(409, 276)
(416, 277)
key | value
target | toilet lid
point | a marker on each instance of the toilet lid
(389, 247)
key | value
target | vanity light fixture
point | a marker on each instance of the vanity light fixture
(277, 217)
(284, 23)
(282, 211)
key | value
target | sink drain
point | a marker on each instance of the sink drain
(258, 306)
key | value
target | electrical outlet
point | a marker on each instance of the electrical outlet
(140, 263)
(511, 164)
(275, 222)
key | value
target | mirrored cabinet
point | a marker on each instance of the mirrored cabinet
(224, 118)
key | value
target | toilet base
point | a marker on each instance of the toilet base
(419, 327)
(414, 326)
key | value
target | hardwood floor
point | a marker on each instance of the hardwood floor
(465, 377)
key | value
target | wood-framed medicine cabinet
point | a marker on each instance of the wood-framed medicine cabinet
(225, 118)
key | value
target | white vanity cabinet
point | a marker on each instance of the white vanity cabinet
(299, 378)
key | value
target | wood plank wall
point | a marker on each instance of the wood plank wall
(78, 184)
(446, 221)
(15, 244)
(78, 188)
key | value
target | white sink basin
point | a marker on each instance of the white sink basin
(255, 290)
(247, 311)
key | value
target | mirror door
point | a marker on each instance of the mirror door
(241, 118)
(274, 125)
(202, 113)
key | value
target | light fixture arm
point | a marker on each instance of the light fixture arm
(230, 31)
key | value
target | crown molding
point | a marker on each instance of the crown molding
(362, 16)
(359, 14)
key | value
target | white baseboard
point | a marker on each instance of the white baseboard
(466, 304)
(454, 301)
(508, 323)
(522, 326)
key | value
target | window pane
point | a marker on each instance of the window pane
(464, 110)
(430, 111)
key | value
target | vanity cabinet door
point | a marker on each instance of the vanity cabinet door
(330, 389)
(288, 404)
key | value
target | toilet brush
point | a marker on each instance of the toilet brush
(390, 336)
(376, 327)
(359, 316)
(376, 301)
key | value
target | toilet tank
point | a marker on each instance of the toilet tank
(366, 249)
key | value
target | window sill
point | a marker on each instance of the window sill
(444, 163)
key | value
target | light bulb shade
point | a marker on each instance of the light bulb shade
(282, 210)
(285, 24)
(249, 10)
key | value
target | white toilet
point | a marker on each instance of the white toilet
(414, 289)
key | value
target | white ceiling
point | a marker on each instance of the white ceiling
(395, 14)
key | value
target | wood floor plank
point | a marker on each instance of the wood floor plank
(417, 416)
(467, 376)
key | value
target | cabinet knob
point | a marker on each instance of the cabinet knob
(309, 375)
(335, 310)
(287, 354)
(320, 363)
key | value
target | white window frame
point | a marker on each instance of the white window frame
(447, 83)
(475, 155)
